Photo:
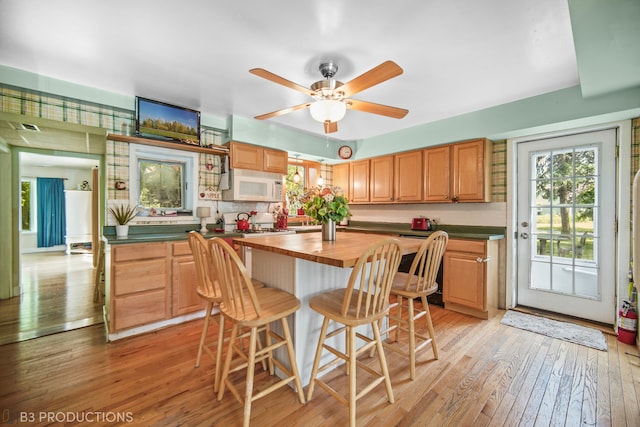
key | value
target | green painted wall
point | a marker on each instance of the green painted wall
(563, 109)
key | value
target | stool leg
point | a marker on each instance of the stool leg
(383, 362)
(399, 313)
(227, 362)
(203, 336)
(250, 372)
(351, 349)
(218, 373)
(412, 337)
(316, 360)
(292, 358)
(430, 326)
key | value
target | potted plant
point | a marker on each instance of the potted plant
(123, 215)
(327, 206)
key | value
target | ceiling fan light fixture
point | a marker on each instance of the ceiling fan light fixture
(328, 110)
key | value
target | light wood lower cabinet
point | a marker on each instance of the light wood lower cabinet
(184, 281)
(139, 285)
(152, 282)
(470, 277)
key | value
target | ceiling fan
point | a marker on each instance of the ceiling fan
(332, 97)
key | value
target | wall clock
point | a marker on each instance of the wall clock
(345, 152)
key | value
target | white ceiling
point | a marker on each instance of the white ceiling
(458, 56)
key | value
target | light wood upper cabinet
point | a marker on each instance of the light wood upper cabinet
(253, 157)
(436, 174)
(381, 179)
(246, 156)
(459, 172)
(470, 170)
(359, 181)
(275, 161)
(341, 178)
(408, 177)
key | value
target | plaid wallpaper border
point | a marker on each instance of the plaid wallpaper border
(31, 103)
(499, 171)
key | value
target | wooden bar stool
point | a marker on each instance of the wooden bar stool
(419, 282)
(253, 310)
(98, 287)
(365, 301)
(209, 290)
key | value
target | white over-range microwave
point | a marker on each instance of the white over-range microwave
(251, 186)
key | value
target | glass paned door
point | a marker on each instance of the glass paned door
(566, 212)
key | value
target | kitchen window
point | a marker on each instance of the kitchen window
(162, 178)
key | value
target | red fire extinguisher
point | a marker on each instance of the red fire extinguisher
(627, 324)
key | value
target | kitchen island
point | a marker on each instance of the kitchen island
(305, 265)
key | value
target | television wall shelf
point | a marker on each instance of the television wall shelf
(220, 151)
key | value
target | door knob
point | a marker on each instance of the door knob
(524, 224)
(524, 235)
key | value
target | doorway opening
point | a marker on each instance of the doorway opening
(566, 218)
(56, 282)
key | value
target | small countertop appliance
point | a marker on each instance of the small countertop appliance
(420, 224)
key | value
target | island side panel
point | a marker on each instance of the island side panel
(304, 279)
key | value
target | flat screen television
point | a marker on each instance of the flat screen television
(166, 121)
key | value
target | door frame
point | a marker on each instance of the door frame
(623, 205)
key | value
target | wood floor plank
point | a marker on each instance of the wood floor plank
(574, 411)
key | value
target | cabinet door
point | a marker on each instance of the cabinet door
(436, 174)
(341, 178)
(245, 156)
(381, 179)
(408, 177)
(184, 283)
(359, 187)
(468, 168)
(275, 161)
(464, 280)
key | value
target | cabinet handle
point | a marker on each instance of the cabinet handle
(487, 259)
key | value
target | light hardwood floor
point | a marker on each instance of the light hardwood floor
(57, 296)
(488, 374)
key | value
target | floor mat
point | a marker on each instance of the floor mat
(552, 328)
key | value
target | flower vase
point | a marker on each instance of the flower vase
(329, 230)
(122, 231)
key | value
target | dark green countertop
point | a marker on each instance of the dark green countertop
(159, 233)
(454, 231)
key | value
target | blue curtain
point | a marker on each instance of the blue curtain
(51, 212)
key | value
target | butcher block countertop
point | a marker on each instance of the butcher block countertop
(343, 252)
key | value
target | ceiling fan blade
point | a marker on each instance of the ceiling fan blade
(283, 111)
(280, 80)
(374, 76)
(330, 127)
(370, 107)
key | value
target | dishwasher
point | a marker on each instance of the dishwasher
(405, 265)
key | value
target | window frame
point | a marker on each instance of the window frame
(146, 152)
